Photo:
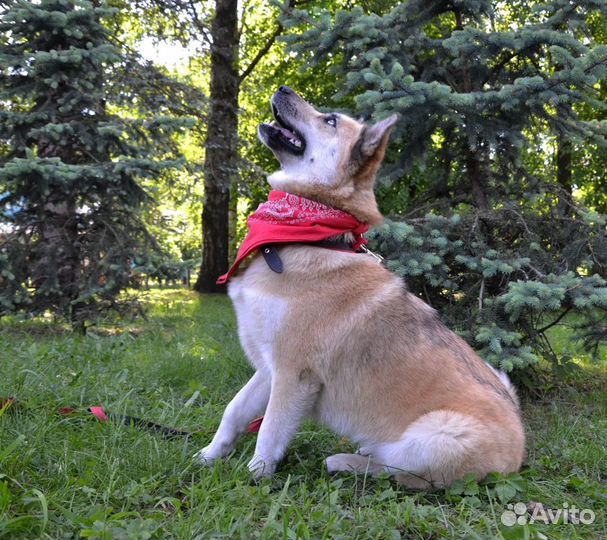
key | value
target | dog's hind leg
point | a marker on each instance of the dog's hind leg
(443, 446)
(250, 402)
(361, 464)
(434, 451)
(353, 463)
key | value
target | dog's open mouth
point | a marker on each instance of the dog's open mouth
(283, 133)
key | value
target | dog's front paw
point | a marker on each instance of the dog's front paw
(208, 455)
(260, 467)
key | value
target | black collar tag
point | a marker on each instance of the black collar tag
(273, 260)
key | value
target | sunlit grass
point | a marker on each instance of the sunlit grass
(74, 477)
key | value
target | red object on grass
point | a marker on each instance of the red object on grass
(287, 218)
(254, 426)
(98, 412)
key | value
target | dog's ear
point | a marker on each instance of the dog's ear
(375, 137)
(369, 149)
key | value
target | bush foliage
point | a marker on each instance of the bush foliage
(505, 249)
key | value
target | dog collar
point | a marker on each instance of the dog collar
(274, 262)
(287, 219)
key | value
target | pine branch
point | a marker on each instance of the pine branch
(271, 40)
(200, 26)
(556, 321)
(261, 53)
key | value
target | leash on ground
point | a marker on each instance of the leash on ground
(100, 414)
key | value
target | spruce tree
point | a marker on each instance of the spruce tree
(497, 243)
(70, 166)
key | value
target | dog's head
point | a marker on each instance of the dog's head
(328, 157)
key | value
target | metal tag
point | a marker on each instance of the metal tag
(378, 258)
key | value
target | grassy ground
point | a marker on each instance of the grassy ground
(75, 477)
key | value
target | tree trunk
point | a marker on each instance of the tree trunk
(57, 274)
(220, 165)
(57, 271)
(233, 222)
(477, 176)
(564, 175)
(477, 173)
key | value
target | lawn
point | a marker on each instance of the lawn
(76, 477)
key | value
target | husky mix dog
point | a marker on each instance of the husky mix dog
(338, 338)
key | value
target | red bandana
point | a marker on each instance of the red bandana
(290, 218)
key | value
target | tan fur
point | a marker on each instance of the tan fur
(337, 337)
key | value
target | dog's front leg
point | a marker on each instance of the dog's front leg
(250, 402)
(292, 397)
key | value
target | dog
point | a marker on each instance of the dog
(336, 337)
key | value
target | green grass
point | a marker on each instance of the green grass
(75, 477)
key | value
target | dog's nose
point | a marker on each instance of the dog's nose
(285, 90)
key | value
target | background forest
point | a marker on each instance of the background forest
(120, 163)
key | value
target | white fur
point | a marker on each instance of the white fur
(435, 440)
(284, 403)
(318, 165)
(503, 377)
(249, 402)
(259, 316)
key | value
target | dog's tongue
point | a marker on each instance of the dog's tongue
(288, 134)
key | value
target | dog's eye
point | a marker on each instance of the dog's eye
(331, 120)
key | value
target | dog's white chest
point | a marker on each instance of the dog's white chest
(259, 316)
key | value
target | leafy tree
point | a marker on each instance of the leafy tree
(502, 248)
(71, 201)
(237, 42)
(220, 166)
(234, 164)
(590, 159)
